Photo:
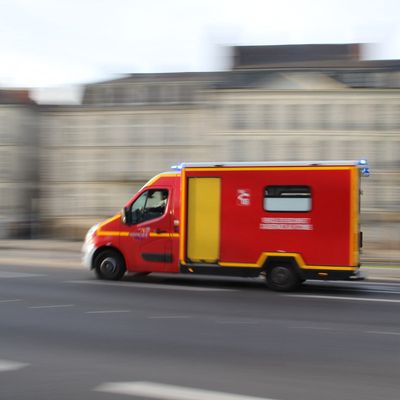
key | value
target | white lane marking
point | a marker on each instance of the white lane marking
(307, 296)
(107, 311)
(169, 392)
(10, 300)
(169, 316)
(317, 328)
(53, 306)
(238, 321)
(153, 286)
(8, 275)
(6, 365)
(384, 333)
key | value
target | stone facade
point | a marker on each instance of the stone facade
(95, 156)
(18, 164)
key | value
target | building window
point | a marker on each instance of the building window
(269, 117)
(239, 118)
(292, 116)
(379, 117)
(322, 117)
(287, 199)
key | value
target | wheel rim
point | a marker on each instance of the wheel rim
(108, 266)
(280, 275)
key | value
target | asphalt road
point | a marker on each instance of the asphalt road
(65, 335)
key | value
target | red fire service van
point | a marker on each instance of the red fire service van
(287, 221)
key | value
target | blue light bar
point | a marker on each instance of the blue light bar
(177, 167)
(365, 172)
(362, 162)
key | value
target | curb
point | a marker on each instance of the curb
(37, 262)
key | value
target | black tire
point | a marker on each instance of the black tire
(282, 278)
(109, 265)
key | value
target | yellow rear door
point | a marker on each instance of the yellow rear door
(204, 209)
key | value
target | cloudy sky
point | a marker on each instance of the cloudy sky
(47, 43)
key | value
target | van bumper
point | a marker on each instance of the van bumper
(334, 275)
(87, 255)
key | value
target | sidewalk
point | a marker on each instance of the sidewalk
(376, 264)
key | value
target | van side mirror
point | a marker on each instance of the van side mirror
(126, 216)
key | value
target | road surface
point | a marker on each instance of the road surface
(66, 335)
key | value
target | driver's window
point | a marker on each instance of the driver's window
(149, 205)
(139, 203)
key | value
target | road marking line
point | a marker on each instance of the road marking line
(6, 365)
(237, 322)
(169, 392)
(152, 286)
(107, 311)
(10, 301)
(384, 333)
(169, 316)
(10, 275)
(53, 306)
(317, 328)
(306, 296)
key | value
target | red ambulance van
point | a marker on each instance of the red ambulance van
(289, 221)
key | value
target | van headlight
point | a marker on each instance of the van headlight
(90, 233)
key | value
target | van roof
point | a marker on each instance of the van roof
(359, 163)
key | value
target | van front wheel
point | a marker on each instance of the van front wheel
(282, 278)
(109, 265)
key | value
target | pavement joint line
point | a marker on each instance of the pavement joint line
(169, 392)
(53, 306)
(348, 298)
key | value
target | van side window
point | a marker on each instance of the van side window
(149, 205)
(287, 199)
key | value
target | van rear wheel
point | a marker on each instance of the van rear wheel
(282, 278)
(109, 265)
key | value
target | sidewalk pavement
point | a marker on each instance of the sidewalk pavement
(376, 264)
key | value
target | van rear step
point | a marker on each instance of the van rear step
(216, 269)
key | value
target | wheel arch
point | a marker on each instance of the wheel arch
(290, 261)
(105, 248)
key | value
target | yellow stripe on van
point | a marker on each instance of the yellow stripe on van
(299, 260)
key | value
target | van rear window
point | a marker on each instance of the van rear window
(287, 199)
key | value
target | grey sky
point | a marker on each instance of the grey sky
(55, 42)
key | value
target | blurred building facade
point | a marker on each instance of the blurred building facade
(18, 164)
(311, 102)
(95, 156)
